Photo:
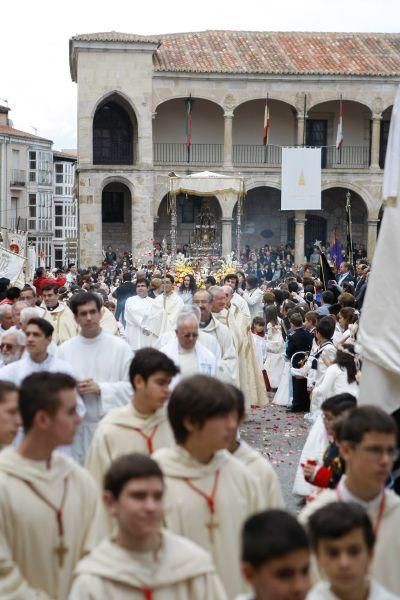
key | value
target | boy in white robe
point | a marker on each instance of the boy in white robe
(10, 419)
(163, 312)
(137, 309)
(368, 445)
(141, 426)
(343, 539)
(275, 557)
(48, 504)
(258, 465)
(143, 561)
(209, 493)
(102, 362)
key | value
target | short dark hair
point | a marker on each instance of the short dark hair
(252, 280)
(50, 287)
(326, 327)
(258, 321)
(127, 276)
(5, 388)
(271, 534)
(13, 293)
(346, 299)
(82, 298)
(334, 309)
(143, 280)
(293, 286)
(28, 288)
(170, 277)
(198, 398)
(296, 319)
(45, 327)
(230, 276)
(328, 297)
(364, 419)
(39, 391)
(336, 520)
(148, 361)
(312, 316)
(127, 467)
(212, 281)
(339, 403)
(348, 313)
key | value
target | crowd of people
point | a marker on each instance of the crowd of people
(123, 472)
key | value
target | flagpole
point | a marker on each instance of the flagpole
(341, 117)
(349, 230)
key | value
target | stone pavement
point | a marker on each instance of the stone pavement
(280, 436)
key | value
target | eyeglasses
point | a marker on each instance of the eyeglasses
(376, 453)
(7, 346)
(190, 335)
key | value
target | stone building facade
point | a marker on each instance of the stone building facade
(131, 131)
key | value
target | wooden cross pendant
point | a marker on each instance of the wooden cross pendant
(211, 525)
(61, 550)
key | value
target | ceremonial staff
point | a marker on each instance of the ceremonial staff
(164, 249)
(350, 253)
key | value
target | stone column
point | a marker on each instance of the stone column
(375, 140)
(301, 123)
(372, 236)
(228, 148)
(90, 223)
(299, 224)
(226, 235)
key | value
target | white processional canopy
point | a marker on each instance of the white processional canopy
(206, 183)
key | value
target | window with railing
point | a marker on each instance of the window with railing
(64, 178)
(40, 212)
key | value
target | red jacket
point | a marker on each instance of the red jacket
(40, 282)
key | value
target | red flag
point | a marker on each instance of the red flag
(339, 134)
(266, 123)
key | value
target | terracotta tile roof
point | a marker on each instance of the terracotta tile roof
(114, 36)
(5, 129)
(65, 154)
(287, 53)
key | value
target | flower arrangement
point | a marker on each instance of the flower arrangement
(225, 266)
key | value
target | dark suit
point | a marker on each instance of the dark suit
(299, 341)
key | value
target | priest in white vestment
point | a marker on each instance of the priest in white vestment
(187, 352)
(163, 312)
(137, 309)
(211, 326)
(209, 493)
(253, 295)
(48, 504)
(102, 362)
(59, 315)
(142, 561)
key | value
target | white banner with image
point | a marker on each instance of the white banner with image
(301, 179)
(11, 266)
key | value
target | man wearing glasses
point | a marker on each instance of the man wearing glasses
(186, 351)
(368, 444)
(12, 346)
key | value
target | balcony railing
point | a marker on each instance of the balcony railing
(18, 223)
(347, 157)
(255, 155)
(18, 178)
(176, 153)
(252, 154)
(115, 153)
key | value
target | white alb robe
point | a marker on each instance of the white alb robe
(29, 532)
(180, 570)
(264, 472)
(229, 362)
(385, 564)
(137, 309)
(200, 360)
(254, 299)
(63, 321)
(105, 359)
(237, 496)
(162, 319)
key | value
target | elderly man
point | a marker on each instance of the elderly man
(12, 346)
(186, 351)
(5, 317)
(16, 310)
(28, 295)
(210, 325)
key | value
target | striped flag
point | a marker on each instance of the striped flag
(266, 123)
(339, 134)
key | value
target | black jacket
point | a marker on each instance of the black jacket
(299, 341)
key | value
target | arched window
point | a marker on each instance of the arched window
(113, 135)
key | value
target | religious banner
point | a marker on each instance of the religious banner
(11, 265)
(301, 179)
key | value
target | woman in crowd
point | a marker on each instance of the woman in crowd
(187, 288)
